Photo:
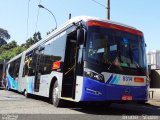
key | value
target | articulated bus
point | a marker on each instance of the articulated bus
(86, 59)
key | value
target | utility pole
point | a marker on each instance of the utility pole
(108, 9)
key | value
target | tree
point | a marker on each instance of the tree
(10, 50)
(36, 37)
(29, 42)
(4, 36)
(11, 53)
(8, 46)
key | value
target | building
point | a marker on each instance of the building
(153, 59)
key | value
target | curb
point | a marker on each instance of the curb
(154, 102)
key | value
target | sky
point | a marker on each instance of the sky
(141, 14)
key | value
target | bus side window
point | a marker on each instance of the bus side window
(28, 67)
(11, 69)
(46, 59)
(14, 68)
(53, 51)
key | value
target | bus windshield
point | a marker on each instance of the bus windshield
(114, 47)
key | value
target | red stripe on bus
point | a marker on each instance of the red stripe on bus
(113, 26)
(140, 80)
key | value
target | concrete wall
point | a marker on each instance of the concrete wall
(155, 79)
(153, 59)
(154, 94)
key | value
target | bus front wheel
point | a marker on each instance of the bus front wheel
(56, 101)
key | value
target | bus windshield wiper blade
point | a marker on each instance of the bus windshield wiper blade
(109, 66)
(137, 65)
(115, 63)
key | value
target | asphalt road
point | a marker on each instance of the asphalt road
(16, 107)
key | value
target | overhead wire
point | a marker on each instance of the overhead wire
(37, 16)
(28, 18)
(99, 4)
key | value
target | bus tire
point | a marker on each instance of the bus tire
(56, 101)
(8, 88)
(26, 94)
(142, 103)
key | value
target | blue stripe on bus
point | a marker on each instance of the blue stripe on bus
(110, 78)
(8, 82)
(12, 83)
(117, 79)
(113, 80)
(97, 91)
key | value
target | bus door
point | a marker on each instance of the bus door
(37, 57)
(69, 74)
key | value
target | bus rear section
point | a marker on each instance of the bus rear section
(115, 67)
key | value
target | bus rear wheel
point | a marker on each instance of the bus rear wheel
(8, 88)
(26, 94)
(56, 101)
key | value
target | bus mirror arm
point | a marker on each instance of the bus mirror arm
(145, 45)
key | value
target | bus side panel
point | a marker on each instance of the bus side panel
(23, 83)
(45, 83)
(30, 84)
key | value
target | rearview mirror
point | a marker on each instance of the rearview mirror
(80, 36)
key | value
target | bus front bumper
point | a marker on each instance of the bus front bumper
(97, 91)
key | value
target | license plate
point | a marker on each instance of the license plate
(127, 97)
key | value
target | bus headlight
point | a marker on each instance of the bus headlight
(93, 75)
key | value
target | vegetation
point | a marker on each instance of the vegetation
(4, 36)
(8, 51)
(11, 53)
(32, 40)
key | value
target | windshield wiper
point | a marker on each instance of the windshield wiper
(109, 66)
(115, 63)
(137, 65)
